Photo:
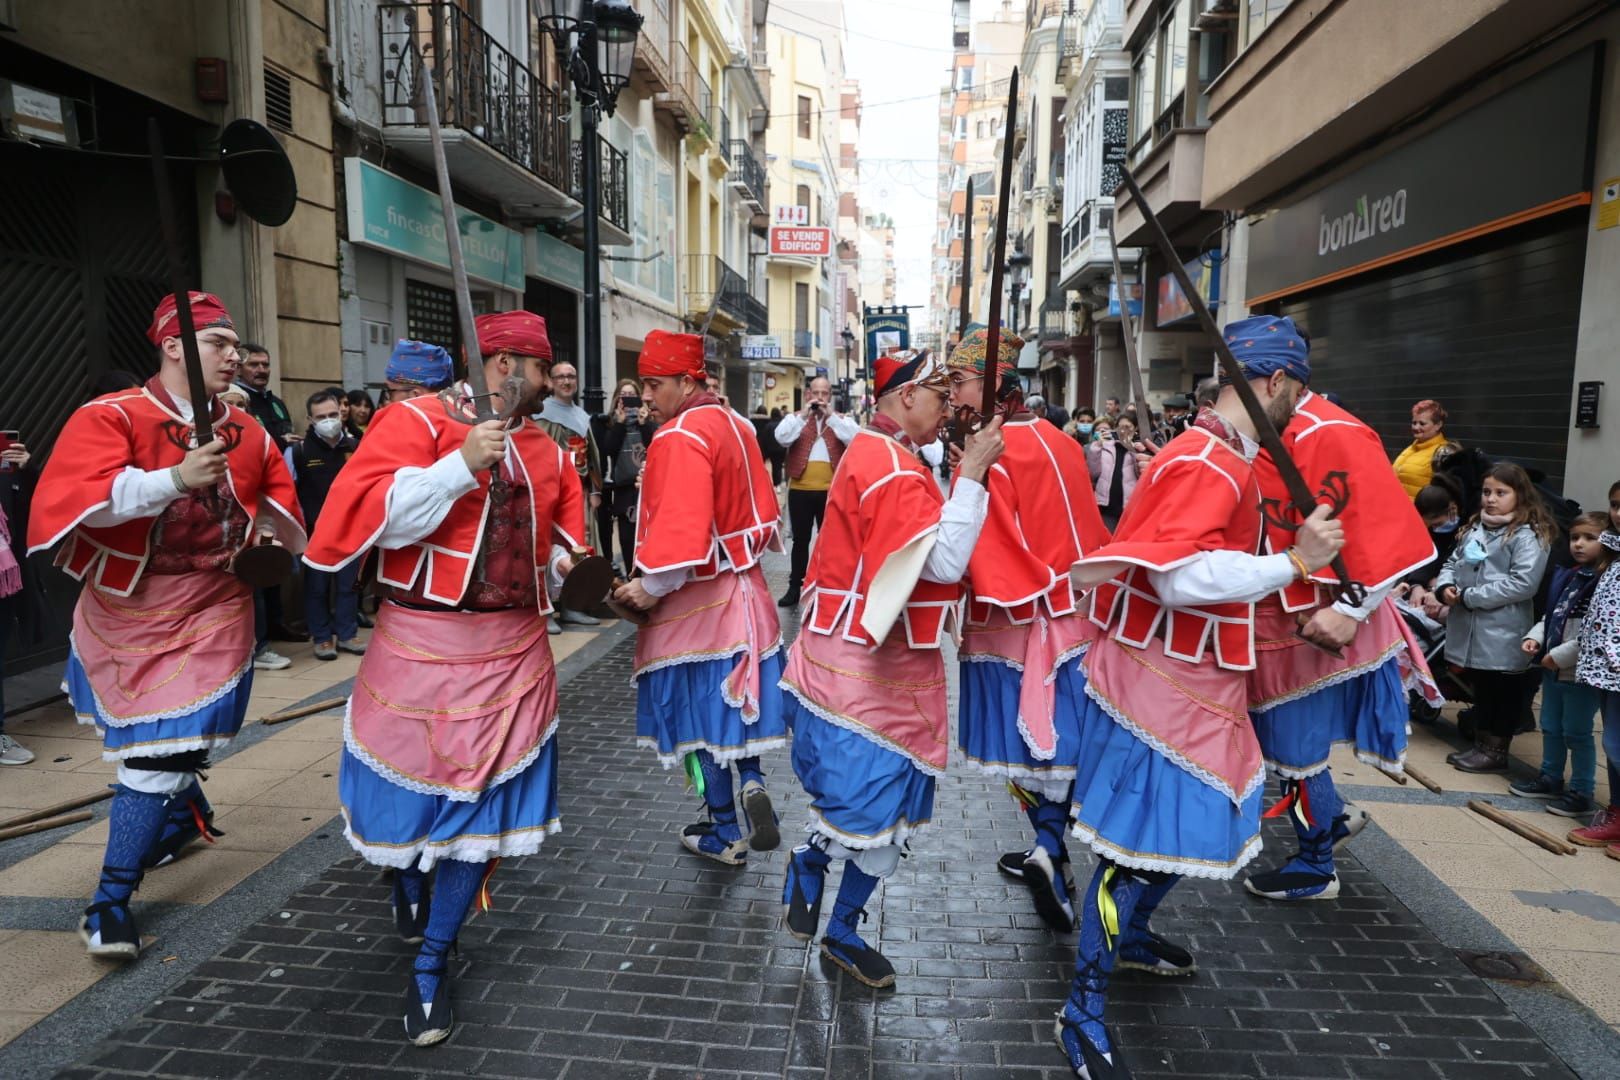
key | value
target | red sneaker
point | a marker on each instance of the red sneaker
(1612, 851)
(1604, 830)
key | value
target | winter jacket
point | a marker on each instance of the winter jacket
(1487, 626)
(1562, 582)
(1415, 464)
(1100, 461)
(1599, 664)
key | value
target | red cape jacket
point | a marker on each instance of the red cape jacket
(417, 433)
(138, 428)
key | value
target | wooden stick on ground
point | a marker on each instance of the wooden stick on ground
(1423, 778)
(1529, 832)
(302, 710)
(58, 808)
(1399, 778)
(48, 823)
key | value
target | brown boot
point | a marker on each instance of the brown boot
(1488, 755)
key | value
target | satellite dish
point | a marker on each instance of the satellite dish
(257, 172)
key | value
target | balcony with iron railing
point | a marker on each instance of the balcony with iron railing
(681, 101)
(703, 124)
(1085, 247)
(1054, 319)
(797, 344)
(505, 131)
(747, 173)
(712, 285)
(614, 195)
(652, 48)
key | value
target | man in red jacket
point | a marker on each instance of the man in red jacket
(161, 660)
(448, 755)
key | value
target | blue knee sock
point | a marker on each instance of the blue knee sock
(850, 905)
(718, 795)
(1108, 906)
(411, 883)
(1153, 895)
(454, 889)
(1050, 821)
(749, 769)
(133, 824)
(1316, 835)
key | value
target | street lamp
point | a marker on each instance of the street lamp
(1017, 269)
(596, 42)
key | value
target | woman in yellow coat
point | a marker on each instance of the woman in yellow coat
(1415, 464)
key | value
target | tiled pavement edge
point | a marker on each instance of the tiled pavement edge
(612, 953)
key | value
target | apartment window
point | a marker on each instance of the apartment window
(979, 128)
(801, 307)
(1259, 14)
(806, 130)
(1173, 50)
(964, 78)
(961, 128)
(1145, 76)
(801, 198)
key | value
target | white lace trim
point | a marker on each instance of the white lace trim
(1202, 774)
(1164, 863)
(989, 658)
(1344, 675)
(722, 755)
(1055, 784)
(474, 849)
(106, 720)
(899, 834)
(685, 658)
(422, 787)
(864, 732)
(159, 749)
(1382, 764)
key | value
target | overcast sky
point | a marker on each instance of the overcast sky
(900, 50)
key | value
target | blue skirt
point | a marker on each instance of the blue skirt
(861, 794)
(1134, 805)
(393, 826)
(1368, 712)
(205, 728)
(680, 709)
(987, 725)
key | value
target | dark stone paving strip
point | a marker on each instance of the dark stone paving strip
(614, 954)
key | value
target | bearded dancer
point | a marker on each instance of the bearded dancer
(161, 653)
(866, 698)
(1020, 656)
(448, 755)
(1169, 776)
(707, 513)
(1303, 699)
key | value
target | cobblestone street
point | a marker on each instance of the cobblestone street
(613, 953)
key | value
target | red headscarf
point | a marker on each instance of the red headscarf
(666, 354)
(206, 312)
(522, 333)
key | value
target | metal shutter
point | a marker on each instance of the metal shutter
(1488, 329)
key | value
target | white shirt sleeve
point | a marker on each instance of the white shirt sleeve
(959, 525)
(788, 431)
(136, 493)
(845, 427)
(1367, 606)
(665, 582)
(421, 498)
(1219, 577)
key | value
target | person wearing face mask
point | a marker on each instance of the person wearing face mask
(314, 462)
(1438, 504)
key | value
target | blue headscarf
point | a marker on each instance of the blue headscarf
(419, 363)
(1267, 344)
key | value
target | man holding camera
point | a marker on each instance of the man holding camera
(815, 438)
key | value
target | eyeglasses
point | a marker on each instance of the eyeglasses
(224, 346)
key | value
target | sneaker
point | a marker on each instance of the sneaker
(765, 836)
(1603, 831)
(270, 660)
(13, 752)
(1612, 851)
(366, 622)
(1088, 1062)
(703, 838)
(553, 627)
(1570, 804)
(1542, 787)
(1012, 864)
(576, 618)
(1043, 879)
(428, 1022)
(863, 963)
(353, 646)
(325, 650)
(1156, 956)
(108, 932)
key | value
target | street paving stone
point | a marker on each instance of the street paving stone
(615, 954)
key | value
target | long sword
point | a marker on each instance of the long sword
(482, 403)
(1299, 490)
(1128, 332)
(964, 307)
(992, 337)
(201, 403)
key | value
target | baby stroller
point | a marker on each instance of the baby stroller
(1430, 634)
